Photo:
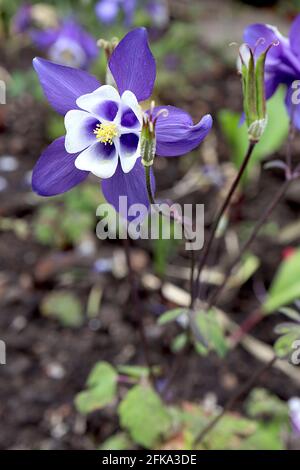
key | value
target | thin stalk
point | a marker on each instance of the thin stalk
(244, 389)
(220, 214)
(247, 325)
(152, 201)
(261, 221)
(137, 303)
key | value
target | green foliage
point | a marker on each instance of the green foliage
(119, 441)
(136, 372)
(24, 82)
(208, 333)
(263, 404)
(171, 315)
(179, 342)
(246, 269)
(66, 224)
(63, 306)
(145, 416)
(101, 389)
(285, 287)
(274, 136)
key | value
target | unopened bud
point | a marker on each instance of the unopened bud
(148, 141)
(253, 78)
(148, 137)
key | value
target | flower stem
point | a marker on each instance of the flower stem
(261, 221)
(222, 211)
(148, 184)
(137, 304)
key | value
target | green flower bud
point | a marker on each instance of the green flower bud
(148, 141)
(253, 82)
(148, 137)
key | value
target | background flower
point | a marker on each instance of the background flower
(283, 60)
(69, 44)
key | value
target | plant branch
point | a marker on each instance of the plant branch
(244, 389)
(137, 304)
(220, 214)
(266, 214)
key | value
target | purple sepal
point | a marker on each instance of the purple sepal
(176, 134)
(133, 66)
(63, 85)
(55, 171)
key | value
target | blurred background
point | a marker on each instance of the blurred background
(64, 295)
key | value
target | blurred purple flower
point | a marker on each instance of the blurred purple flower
(103, 125)
(108, 10)
(283, 61)
(22, 19)
(294, 407)
(69, 44)
(158, 10)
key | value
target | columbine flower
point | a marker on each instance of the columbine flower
(108, 10)
(69, 44)
(282, 62)
(103, 125)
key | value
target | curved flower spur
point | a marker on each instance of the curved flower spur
(103, 125)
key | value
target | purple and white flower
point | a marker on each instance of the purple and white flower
(103, 125)
(282, 62)
(69, 44)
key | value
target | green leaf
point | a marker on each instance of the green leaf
(283, 347)
(285, 287)
(171, 315)
(136, 372)
(144, 415)
(119, 441)
(101, 389)
(65, 307)
(262, 403)
(290, 313)
(179, 342)
(212, 333)
(274, 135)
(247, 268)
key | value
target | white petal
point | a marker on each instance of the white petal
(127, 157)
(92, 101)
(128, 100)
(94, 160)
(79, 130)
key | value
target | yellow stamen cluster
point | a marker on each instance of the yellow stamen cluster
(105, 133)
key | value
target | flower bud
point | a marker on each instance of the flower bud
(148, 141)
(253, 80)
(148, 137)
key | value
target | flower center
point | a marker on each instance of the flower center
(105, 133)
